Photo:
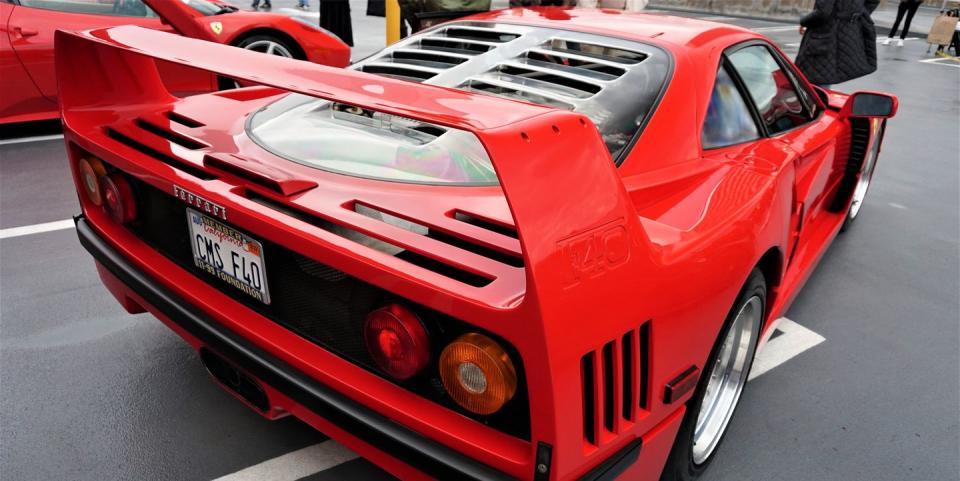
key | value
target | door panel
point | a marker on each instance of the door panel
(20, 96)
(35, 50)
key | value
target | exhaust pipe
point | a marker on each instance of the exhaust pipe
(235, 380)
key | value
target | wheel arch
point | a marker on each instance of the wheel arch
(299, 53)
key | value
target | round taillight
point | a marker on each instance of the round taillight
(118, 198)
(397, 341)
(91, 171)
(478, 373)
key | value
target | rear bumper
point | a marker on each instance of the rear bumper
(419, 452)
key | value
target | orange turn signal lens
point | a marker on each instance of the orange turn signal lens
(478, 373)
(91, 170)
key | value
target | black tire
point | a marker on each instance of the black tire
(680, 464)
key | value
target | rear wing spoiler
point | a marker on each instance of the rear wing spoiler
(574, 218)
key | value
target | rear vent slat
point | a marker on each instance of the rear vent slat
(184, 120)
(538, 82)
(168, 159)
(487, 224)
(461, 46)
(479, 34)
(430, 264)
(179, 139)
(595, 51)
(399, 71)
(493, 86)
(443, 59)
(434, 233)
(589, 398)
(614, 377)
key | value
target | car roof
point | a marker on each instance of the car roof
(672, 32)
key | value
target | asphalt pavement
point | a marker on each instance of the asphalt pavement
(88, 392)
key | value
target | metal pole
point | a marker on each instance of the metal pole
(392, 14)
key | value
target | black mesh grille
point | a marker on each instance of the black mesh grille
(321, 304)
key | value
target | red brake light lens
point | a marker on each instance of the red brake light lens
(118, 198)
(397, 341)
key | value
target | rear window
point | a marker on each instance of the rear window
(350, 140)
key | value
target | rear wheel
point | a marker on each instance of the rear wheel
(713, 404)
(866, 177)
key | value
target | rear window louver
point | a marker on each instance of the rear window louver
(614, 385)
(422, 58)
(596, 52)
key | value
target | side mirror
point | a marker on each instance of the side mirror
(870, 105)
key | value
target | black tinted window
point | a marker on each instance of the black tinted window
(729, 120)
(770, 87)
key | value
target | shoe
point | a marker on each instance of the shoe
(900, 42)
(887, 41)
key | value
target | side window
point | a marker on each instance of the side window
(116, 8)
(771, 88)
(729, 120)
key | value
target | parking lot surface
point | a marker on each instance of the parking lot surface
(88, 392)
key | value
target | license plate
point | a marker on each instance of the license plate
(230, 255)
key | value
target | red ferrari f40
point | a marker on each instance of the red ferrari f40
(539, 244)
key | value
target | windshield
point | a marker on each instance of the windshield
(205, 7)
(346, 139)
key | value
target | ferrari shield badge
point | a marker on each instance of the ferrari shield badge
(217, 27)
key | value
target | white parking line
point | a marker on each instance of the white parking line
(296, 465)
(36, 228)
(38, 138)
(778, 349)
(944, 61)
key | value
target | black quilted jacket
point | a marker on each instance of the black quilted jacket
(840, 43)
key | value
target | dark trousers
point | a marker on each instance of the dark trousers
(908, 8)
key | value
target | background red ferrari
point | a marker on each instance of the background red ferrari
(27, 77)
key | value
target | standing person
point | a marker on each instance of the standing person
(839, 41)
(906, 8)
(335, 17)
(266, 4)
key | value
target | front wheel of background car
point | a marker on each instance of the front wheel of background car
(264, 43)
(866, 177)
(713, 404)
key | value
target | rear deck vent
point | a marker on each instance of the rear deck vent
(433, 59)
(614, 384)
(181, 140)
(448, 238)
(478, 34)
(453, 272)
(398, 71)
(489, 225)
(156, 154)
(506, 90)
(594, 51)
(555, 82)
(575, 64)
(453, 45)
(184, 120)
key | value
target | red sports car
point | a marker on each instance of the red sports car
(531, 244)
(27, 77)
